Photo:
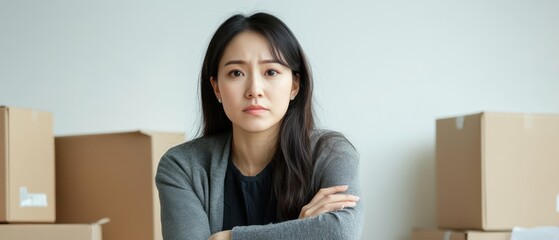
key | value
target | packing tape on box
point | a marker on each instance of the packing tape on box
(528, 121)
(447, 235)
(459, 122)
(536, 233)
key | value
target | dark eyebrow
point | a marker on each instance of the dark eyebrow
(241, 62)
(270, 61)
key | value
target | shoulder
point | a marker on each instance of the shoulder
(333, 154)
(196, 153)
(327, 140)
(200, 146)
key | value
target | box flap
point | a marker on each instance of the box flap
(102, 221)
(96, 231)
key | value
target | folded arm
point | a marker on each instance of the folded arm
(338, 165)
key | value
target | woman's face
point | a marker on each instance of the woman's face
(255, 90)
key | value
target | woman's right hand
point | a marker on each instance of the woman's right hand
(328, 200)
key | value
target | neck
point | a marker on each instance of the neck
(252, 152)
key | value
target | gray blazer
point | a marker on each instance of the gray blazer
(190, 179)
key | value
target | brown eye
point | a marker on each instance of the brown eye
(272, 72)
(235, 73)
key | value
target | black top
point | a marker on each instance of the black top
(248, 200)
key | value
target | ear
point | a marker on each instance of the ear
(295, 86)
(215, 86)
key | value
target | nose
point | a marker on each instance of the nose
(254, 86)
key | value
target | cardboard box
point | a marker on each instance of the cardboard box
(112, 175)
(26, 166)
(496, 171)
(425, 234)
(52, 231)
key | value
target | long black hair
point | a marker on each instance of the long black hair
(293, 161)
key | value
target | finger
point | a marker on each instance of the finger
(327, 191)
(332, 198)
(331, 207)
(320, 195)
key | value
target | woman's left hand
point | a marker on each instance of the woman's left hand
(328, 200)
(223, 235)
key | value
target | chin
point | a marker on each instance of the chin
(258, 128)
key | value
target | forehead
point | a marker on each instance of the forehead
(246, 46)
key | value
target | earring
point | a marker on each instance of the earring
(292, 98)
(219, 100)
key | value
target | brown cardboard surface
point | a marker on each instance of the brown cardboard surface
(459, 176)
(3, 163)
(497, 171)
(112, 175)
(28, 193)
(53, 231)
(434, 234)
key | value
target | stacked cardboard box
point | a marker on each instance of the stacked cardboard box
(495, 171)
(431, 234)
(97, 176)
(27, 180)
(52, 231)
(112, 175)
(26, 166)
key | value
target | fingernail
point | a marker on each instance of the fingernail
(357, 198)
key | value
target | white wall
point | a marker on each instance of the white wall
(384, 71)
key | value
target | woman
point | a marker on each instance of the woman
(260, 170)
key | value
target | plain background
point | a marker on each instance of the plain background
(384, 71)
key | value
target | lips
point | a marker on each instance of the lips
(254, 109)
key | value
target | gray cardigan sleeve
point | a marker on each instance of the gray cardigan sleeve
(183, 214)
(338, 164)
